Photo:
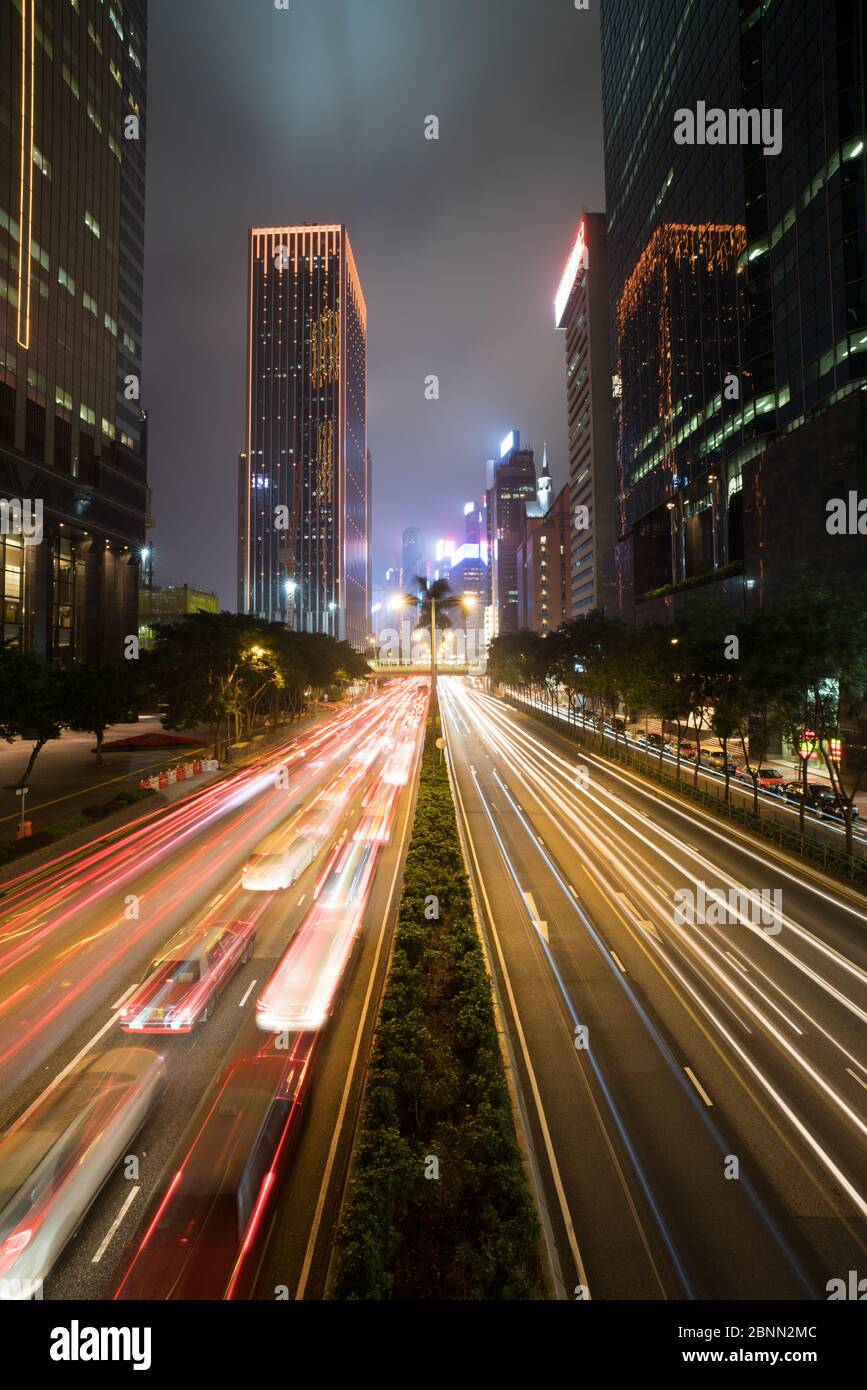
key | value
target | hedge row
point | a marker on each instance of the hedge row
(437, 1091)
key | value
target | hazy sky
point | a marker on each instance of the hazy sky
(317, 114)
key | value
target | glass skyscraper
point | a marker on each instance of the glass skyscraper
(304, 484)
(72, 432)
(738, 284)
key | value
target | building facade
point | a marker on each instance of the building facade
(168, 604)
(544, 568)
(735, 180)
(73, 436)
(581, 312)
(304, 486)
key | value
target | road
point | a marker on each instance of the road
(693, 1080)
(75, 942)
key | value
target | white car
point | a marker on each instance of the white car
(56, 1158)
(271, 868)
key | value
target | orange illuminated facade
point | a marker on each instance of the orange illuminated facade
(304, 488)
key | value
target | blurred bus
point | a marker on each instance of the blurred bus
(206, 1238)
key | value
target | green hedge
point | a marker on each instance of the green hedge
(436, 1087)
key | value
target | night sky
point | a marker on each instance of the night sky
(316, 114)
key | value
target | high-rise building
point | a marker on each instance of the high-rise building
(581, 311)
(511, 496)
(305, 484)
(414, 564)
(544, 569)
(736, 193)
(73, 476)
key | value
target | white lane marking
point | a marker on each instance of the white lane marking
(618, 962)
(736, 963)
(632, 911)
(118, 1003)
(698, 1086)
(857, 1078)
(541, 927)
(114, 1225)
(247, 995)
(301, 899)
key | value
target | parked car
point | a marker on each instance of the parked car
(819, 799)
(181, 987)
(768, 778)
(715, 758)
(56, 1158)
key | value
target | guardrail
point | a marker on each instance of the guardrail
(832, 860)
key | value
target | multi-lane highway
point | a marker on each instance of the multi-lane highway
(116, 949)
(686, 1014)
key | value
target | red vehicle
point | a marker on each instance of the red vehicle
(768, 778)
(205, 1239)
(181, 986)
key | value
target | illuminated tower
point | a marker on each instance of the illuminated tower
(581, 312)
(305, 485)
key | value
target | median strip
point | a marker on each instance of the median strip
(438, 1206)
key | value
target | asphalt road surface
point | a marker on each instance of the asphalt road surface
(692, 1068)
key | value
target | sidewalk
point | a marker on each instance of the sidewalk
(245, 753)
(789, 766)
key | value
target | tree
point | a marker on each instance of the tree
(223, 669)
(94, 698)
(31, 703)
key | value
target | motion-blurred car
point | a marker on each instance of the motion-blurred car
(768, 778)
(688, 750)
(302, 993)
(278, 864)
(204, 1240)
(56, 1158)
(657, 741)
(183, 983)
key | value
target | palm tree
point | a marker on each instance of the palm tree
(432, 600)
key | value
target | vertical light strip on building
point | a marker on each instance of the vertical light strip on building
(25, 203)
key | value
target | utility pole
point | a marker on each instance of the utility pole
(433, 663)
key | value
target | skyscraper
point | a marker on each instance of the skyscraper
(581, 311)
(414, 564)
(305, 485)
(511, 496)
(72, 432)
(738, 281)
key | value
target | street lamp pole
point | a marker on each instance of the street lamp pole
(433, 662)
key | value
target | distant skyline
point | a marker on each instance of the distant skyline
(263, 117)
